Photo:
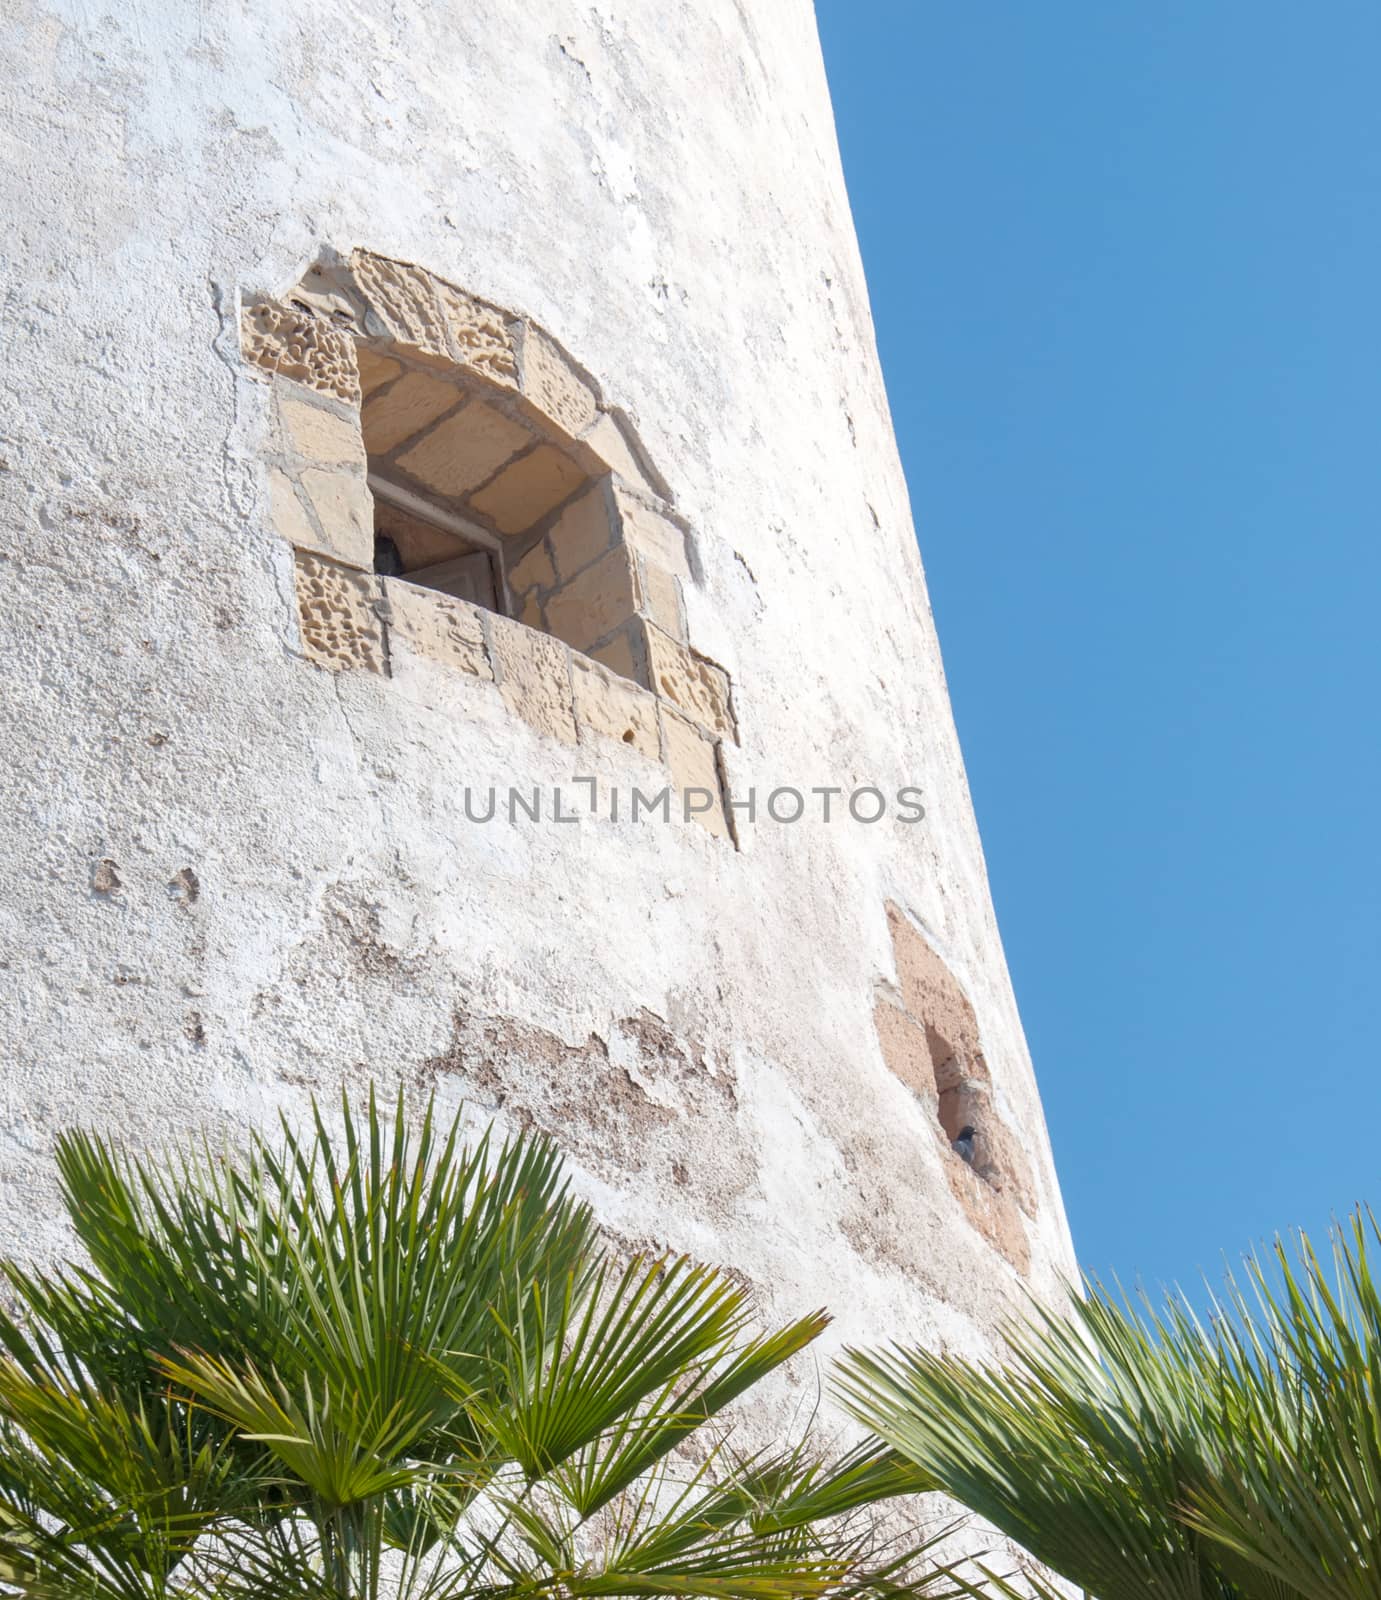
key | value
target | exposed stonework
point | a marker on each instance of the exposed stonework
(551, 382)
(294, 344)
(350, 619)
(698, 687)
(620, 656)
(610, 708)
(375, 369)
(620, 1111)
(290, 517)
(329, 294)
(931, 1042)
(402, 305)
(534, 571)
(344, 512)
(661, 599)
(606, 447)
(435, 625)
(406, 407)
(527, 489)
(463, 452)
(596, 602)
(695, 771)
(930, 993)
(596, 565)
(482, 336)
(319, 500)
(655, 535)
(318, 434)
(582, 532)
(339, 616)
(533, 673)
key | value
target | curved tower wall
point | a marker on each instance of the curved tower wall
(237, 865)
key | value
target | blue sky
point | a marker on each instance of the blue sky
(1125, 265)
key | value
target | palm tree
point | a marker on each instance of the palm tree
(1140, 1453)
(389, 1363)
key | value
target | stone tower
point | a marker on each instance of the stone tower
(411, 412)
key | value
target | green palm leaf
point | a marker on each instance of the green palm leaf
(379, 1357)
(1139, 1452)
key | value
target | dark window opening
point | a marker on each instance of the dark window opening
(435, 550)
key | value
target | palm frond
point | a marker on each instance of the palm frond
(1135, 1450)
(379, 1346)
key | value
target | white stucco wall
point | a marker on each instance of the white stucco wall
(300, 899)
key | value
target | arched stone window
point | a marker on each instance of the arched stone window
(455, 484)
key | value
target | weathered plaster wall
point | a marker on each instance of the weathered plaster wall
(229, 877)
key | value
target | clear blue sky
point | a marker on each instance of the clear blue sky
(1125, 264)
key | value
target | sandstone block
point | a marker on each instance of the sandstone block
(620, 655)
(691, 758)
(294, 344)
(344, 511)
(583, 531)
(375, 369)
(338, 613)
(550, 383)
(662, 600)
(610, 707)
(1004, 1160)
(524, 492)
(409, 406)
(698, 687)
(653, 535)
(437, 626)
(533, 675)
(606, 447)
(596, 602)
(461, 452)
(992, 1213)
(330, 297)
(288, 514)
(316, 434)
(534, 571)
(402, 303)
(482, 336)
(931, 1042)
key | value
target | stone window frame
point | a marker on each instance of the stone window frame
(359, 327)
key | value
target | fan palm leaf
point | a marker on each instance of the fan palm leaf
(377, 1357)
(1141, 1452)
